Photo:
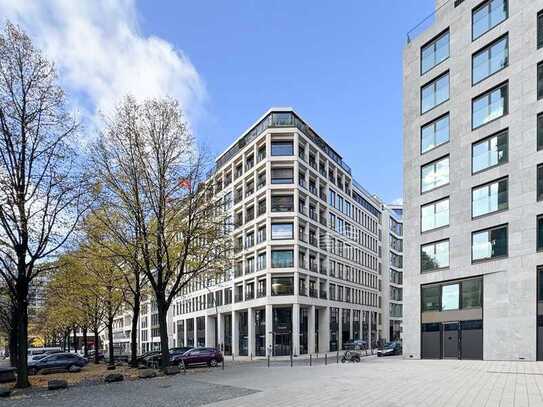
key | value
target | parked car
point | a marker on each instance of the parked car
(38, 357)
(357, 344)
(56, 361)
(390, 348)
(37, 353)
(201, 356)
(154, 359)
(91, 355)
(144, 356)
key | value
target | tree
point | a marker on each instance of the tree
(40, 190)
(153, 173)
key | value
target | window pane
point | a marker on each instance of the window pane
(450, 297)
(435, 134)
(282, 231)
(434, 256)
(435, 215)
(435, 93)
(282, 258)
(435, 174)
(282, 175)
(539, 81)
(489, 106)
(282, 286)
(487, 16)
(540, 182)
(282, 148)
(540, 233)
(540, 131)
(490, 152)
(430, 298)
(489, 198)
(472, 293)
(435, 52)
(490, 243)
(490, 60)
(540, 29)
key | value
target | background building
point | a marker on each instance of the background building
(473, 83)
(309, 243)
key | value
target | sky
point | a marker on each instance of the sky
(337, 63)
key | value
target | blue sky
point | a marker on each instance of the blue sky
(339, 64)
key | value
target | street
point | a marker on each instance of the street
(390, 382)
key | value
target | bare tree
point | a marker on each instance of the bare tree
(40, 190)
(151, 170)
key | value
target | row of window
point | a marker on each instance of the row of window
(465, 294)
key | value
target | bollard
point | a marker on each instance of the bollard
(291, 360)
(325, 359)
(268, 360)
(310, 360)
(251, 356)
(337, 357)
(222, 363)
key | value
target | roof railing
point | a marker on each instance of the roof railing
(424, 24)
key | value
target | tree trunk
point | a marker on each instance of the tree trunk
(13, 341)
(110, 340)
(22, 329)
(75, 339)
(85, 343)
(163, 327)
(96, 345)
(134, 332)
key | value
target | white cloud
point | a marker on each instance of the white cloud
(101, 55)
(397, 201)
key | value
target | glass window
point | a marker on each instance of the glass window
(282, 203)
(450, 297)
(434, 134)
(540, 232)
(489, 198)
(435, 93)
(540, 80)
(540, 131)
(282, 258)
(540, 182)
(489, 243)
(540, 29)
(435, 174)
(487, 16)
(490, 60)
(282, 231)
(430, 298)
(434, 256)
(282, 286)
(489, 106)
(282, 148)
(434, 52)
(435, 215)
(489, 152)
(282, 175)
(472, 293)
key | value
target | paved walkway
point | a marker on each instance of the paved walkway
(391, 382)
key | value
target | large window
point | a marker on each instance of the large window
(282, 231)
(540, 81)
(282, 286)
(282, 148)
(488, 198)
(450, 297)
(434, 256)
(430, 298)
(434, 134)
(435, 174)
(435, 215)
(490, 60)
(489, 243)
(540, 232)
(540, 131)
(489, 106)
(487, 16)
(489, 152)
(540, 29)
(435, 52)
(472, 293)
(282, 203)
(282, 258)
(434, 93)
(540, 182)
(282, 176)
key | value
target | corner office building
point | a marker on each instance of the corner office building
(317, 259)
(473, 182)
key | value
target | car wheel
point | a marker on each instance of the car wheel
(343, 359)
(213, 363)
(182, 365)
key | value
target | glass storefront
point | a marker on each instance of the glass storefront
(190, 332)
(345, 326)
(181, 333)
(260, 332)
(227, 334)
(304, 324)
(356, 324)
(334, 329)
(243, 322)
(201, 331)
(282, 331)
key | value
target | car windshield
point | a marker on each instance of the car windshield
(389, 345)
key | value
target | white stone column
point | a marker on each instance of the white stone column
(311, 330)
(269, 330)
(210, 331)
(250, 332)
(185, 333)
(295, 329)
(220, 332)
(195, 333)
(235, 334)
(351, 335)
(340, 330)
(324, 330)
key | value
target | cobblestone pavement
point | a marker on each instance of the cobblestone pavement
(391, 382)
(375, 382)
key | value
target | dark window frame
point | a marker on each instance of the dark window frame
(485, 48)
(458, 281)
(445, 198)
(504, 178)
(505, 85)
(433, 122)
(479, 7)
(422, 271)
(539, 20)
(430, 163)
(435, 80)
(486, 139)
(490, 229)
(430, 42)
(539, 248)
(539, 80)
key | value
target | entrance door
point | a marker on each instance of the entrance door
(282, 331)
(450, 340)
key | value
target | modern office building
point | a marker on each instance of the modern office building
(309, 242)
(473, 182)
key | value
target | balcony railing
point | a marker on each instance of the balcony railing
(323, 295)
(313, 293)
(261, 293)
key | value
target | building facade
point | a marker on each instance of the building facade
(309, 242)
(473, 84)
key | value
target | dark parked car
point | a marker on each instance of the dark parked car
(357, 344)
(201, 356)
(144, 356)
(91, 355)
(63, 361)
(39, 357)
(390, 348)
(154, 359)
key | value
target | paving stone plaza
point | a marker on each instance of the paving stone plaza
(390, 382)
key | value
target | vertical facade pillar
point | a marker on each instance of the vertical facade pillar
(295, 329)
(311, 330)
(185, 332)
(220, 332)
(324, 329)
(340, 330)
(351, 332)
(250, 332)
(210, 331)
(269, 330)
(235, 333)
